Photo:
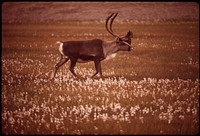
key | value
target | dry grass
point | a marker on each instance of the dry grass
(152, 90)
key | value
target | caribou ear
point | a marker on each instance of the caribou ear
(117, 40)
(129, 34)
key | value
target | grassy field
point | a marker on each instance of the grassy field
(152, 90)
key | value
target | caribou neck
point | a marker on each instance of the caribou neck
(110, 48)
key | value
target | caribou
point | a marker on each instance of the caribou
(95, 50)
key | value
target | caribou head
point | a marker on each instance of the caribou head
(124, 42)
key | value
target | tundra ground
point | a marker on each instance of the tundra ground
(152, 90)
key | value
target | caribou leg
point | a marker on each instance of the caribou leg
(62, 61)
(100, 69)
(72, 65)
(97, 67)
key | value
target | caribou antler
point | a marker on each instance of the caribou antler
(112, 19)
